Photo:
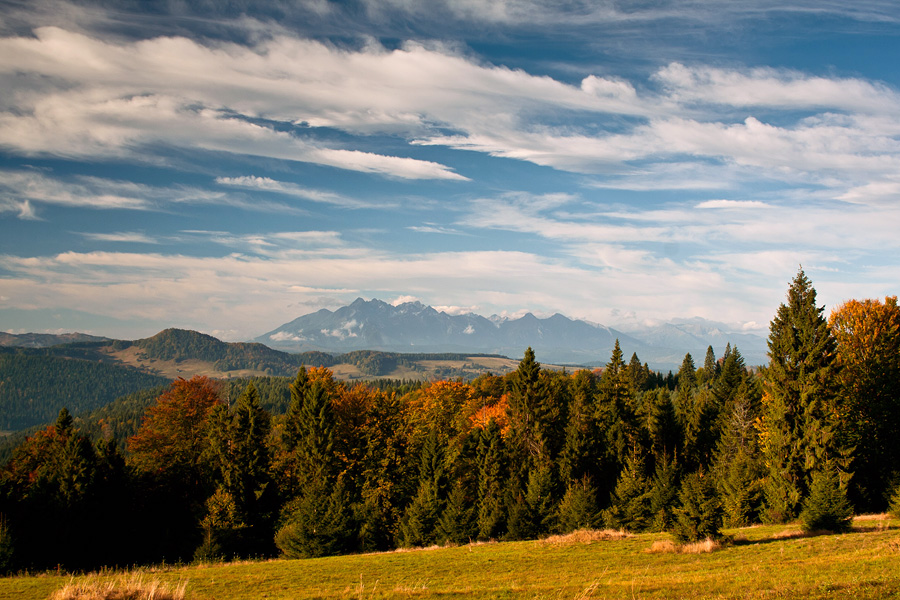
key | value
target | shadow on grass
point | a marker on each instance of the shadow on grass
(794, 534)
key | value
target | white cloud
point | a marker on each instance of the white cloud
(403, 300)
(131, 237)
(774, 88)
(268, 184)
(24, 188)
(733, 204)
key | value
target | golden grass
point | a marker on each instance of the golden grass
(585, 536)
(128, 586)
(669, 547)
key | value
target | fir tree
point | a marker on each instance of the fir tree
(800, 400)
(826, 507)
(490, 459)
(700, 515)
(663, 495)
(578, 508)
(894, 506)
(419, 525)
(318, 523)
(458, 524)
(582, 444)
(630, 507)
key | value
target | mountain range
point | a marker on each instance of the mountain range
(415, 327)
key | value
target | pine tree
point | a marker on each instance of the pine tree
(238, 442)
(700, 515)
(491, 463)
(826, 507)
(578, 508)
(630, 507)
(458, 524)
(532, 412)
(663, 494)
(616, 415)
(419, 525)
(687, 383)
(894, 506)
(798, 429)
(318, 523)
(582, 443)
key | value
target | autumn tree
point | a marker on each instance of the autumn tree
(868, 347)
(169, 454)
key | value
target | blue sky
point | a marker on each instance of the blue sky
(228, 170)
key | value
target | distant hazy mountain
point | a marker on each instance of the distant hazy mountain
(45, 340)
(414, 327)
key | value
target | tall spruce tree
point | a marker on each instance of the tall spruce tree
(581, 449)
(799, 429)
(491, 465)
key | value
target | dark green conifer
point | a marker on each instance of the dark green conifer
(800, 384)
(578, 508)
(491, 463)
(826, 507)
(700, 515)
(630, 508)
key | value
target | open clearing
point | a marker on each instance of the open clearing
(761, 562)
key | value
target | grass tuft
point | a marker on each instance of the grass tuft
(670, 547)
(129, 586)
(585, 536)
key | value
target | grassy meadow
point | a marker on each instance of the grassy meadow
(759, 562)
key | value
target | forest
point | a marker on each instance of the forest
(209, 471)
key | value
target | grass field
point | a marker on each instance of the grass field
(760, 562)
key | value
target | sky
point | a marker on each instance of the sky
(228, 167)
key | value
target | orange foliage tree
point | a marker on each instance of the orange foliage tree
(868, 344)
(172, 436)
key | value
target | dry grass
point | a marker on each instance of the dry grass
(128, 586)
(669, 547)
(585, 536)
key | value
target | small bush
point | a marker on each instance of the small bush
(827, 507)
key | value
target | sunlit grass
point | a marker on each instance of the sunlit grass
(758, 562)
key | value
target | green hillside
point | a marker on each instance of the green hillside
(35, 385)
(761, 562)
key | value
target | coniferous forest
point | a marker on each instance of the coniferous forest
(211, 473)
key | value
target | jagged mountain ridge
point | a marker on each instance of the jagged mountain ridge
(415, 327)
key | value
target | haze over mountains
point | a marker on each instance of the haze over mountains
(415, 327)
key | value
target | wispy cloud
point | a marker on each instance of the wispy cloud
(128, 237)
(267, 184)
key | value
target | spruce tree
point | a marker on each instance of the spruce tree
(458, 524)
(582, 442)
(700, 515)
(630, 507)
(578, 508)
(663, 494)
(800, 400)
(826, 507)
(491, 464)
(419, 524)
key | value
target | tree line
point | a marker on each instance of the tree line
(357, 468)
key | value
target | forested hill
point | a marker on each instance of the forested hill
(45, 340)
(83, 376)
(182, 344)
(35, 386)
